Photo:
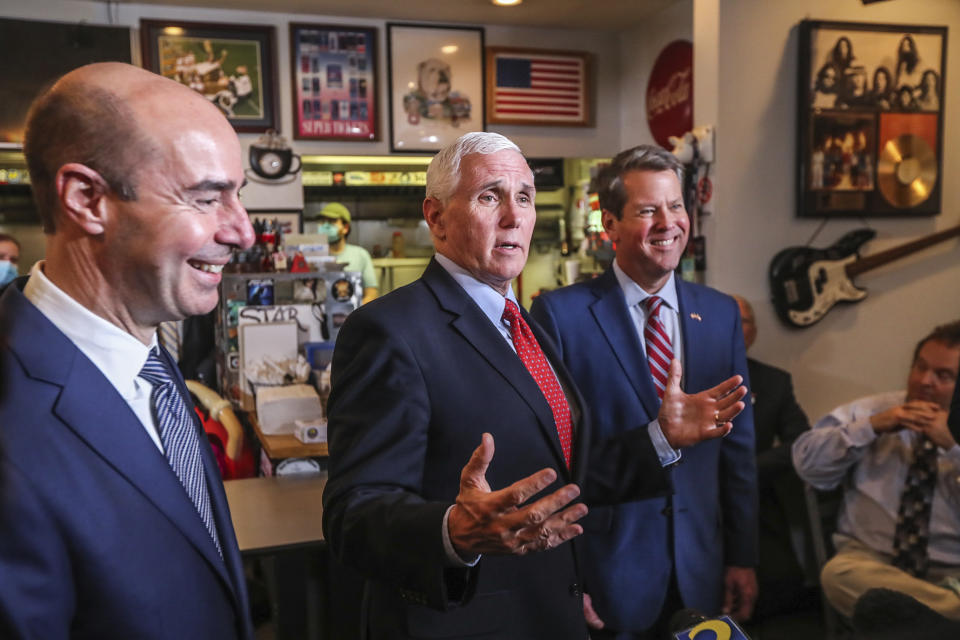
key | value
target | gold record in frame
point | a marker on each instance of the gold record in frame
(906, 171)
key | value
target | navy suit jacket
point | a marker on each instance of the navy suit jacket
(710, 522)
(418, 376)
(98, 538)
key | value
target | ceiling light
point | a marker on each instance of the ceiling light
(506, 3)
(449, 49)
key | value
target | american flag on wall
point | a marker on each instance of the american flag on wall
(534, 87)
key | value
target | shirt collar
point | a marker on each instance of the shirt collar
(635, 294)
(116, 353)
(490, 301)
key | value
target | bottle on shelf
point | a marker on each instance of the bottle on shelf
(398, 248)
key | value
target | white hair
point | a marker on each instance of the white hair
(443, 174)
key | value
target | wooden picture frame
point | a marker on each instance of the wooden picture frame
(538, 87)
(870, 119)
(232, 65)
(335, 87)
(436, 85)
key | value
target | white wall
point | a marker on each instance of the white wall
(856, 349)
(639, 49)
(535, 141)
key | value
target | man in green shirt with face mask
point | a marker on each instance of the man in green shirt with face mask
(336, 225)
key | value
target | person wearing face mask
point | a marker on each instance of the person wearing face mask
(9, 257)
(336, 226)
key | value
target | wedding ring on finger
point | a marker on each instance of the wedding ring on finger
(716, 419)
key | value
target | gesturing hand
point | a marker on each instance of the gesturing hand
(494, 522)
(688, 419)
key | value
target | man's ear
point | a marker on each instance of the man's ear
(609, 221)
(82, 194)
(433, 214)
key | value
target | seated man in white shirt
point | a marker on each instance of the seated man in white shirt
(899, 525)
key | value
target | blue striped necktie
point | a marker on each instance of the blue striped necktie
(178, 434)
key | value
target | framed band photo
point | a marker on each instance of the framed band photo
(538, 87)
(436, 85)
(334, 71)
(232, 65)
(870, 130)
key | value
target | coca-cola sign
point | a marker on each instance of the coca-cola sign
(670, 92)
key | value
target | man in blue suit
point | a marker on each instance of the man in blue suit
(696, 548)
(113, 519)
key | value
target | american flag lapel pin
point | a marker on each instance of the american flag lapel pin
(696, 316)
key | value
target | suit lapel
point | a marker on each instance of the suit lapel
(691, 328)
(90, 406)
(615, 323)
(111, 429)
(470, 322)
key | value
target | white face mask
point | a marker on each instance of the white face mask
(8, 271)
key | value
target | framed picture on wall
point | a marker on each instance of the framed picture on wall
(538, 87)
(232, 65)
(436, 85)
(870, 130)
(334, 73)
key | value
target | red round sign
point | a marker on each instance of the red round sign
(670, 92)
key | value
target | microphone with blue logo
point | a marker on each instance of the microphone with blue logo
(689, 624)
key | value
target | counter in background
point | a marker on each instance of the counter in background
(396, 272)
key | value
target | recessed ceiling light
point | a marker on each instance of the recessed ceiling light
(506, 3)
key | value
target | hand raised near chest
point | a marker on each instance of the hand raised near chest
(686, 419)
(498, 522)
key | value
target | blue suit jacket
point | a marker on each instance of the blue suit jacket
(418, 376)
(710, 521)
(98, 538)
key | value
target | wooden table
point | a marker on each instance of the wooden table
(279, 521)
(286, 446)
(273, 514)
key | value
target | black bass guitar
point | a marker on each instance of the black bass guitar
(807, 282)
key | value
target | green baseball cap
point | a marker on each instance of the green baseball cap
(336, 210)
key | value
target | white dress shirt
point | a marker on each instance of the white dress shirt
(843, 446)
(670, 317)
(117, 354)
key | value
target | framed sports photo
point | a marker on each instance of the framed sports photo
(436, 85)
(870, 130)
(334, 73)
(232, 65)
(538, 87)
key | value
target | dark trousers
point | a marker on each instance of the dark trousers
(659, 630)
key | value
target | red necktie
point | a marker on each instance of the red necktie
(536, 363)
(659, 351)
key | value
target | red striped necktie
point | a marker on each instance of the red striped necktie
(536, 363)
(659, 349)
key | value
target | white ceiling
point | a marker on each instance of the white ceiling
(602, 15)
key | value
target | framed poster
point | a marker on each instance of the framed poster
(334, 71)
(436, 85)
(870, 130)
(538, 87)
(232, 65)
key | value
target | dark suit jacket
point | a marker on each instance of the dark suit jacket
(98, 538)
(776, 418)
(418, 376)
(778, 421)
(710, 522)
